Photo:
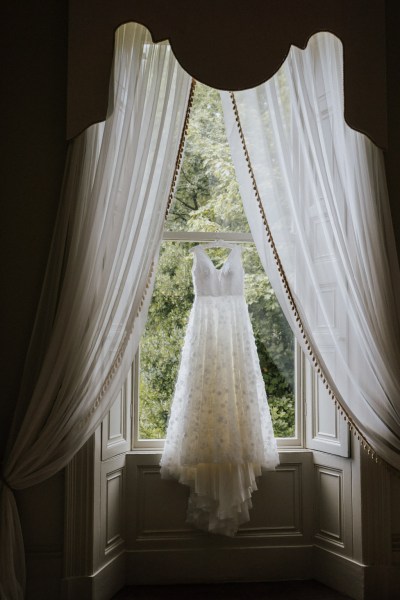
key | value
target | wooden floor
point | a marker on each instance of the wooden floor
(285, 590)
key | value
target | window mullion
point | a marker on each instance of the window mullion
(207, 236)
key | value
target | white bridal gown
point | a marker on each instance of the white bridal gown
(219, 433)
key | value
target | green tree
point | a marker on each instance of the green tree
(207, 199)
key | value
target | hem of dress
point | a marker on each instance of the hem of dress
(220, 494)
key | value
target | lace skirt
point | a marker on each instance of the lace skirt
(219, 434)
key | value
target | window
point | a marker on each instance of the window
(208, 206)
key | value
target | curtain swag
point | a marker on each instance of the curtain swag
(329, 385)
(322, 226)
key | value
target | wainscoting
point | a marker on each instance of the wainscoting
(275, 544)
(319, 516)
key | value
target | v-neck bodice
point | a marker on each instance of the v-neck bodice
(210, 281)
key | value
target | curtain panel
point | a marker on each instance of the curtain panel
(96, 291)
(315, 196)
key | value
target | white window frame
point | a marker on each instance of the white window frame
(293, 443)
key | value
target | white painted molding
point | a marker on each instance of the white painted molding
(333, 503)
(111, 524)
(326, 431)
(101, 586)
(281, 513)
(116, 427)
(356, 580)
(338, 572)
(79, 497)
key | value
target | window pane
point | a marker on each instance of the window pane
(165, 330)
(207, 199)
(207, 195)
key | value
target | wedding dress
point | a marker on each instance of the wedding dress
(220, 433)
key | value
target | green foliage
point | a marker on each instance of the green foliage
(162, 342)
(282, 414)
(207, 195)
(207, 199)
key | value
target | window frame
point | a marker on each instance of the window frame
(153, 445)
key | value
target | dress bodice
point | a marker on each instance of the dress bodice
(210, 281)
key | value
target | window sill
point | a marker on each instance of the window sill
(281, 450)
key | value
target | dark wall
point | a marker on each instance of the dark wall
(392, 156)
(33, 102)
(231, 45)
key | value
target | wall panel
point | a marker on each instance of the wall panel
(112, 506)
(280, 527)
(332, 503)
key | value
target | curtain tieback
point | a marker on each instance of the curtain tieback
(4, 481)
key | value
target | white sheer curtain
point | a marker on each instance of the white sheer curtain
(332, 260)
(94, 300)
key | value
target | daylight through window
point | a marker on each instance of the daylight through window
(208, 206)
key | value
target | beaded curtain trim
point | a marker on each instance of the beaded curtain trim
(124, 342)
(179, 157)
(293, 306)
